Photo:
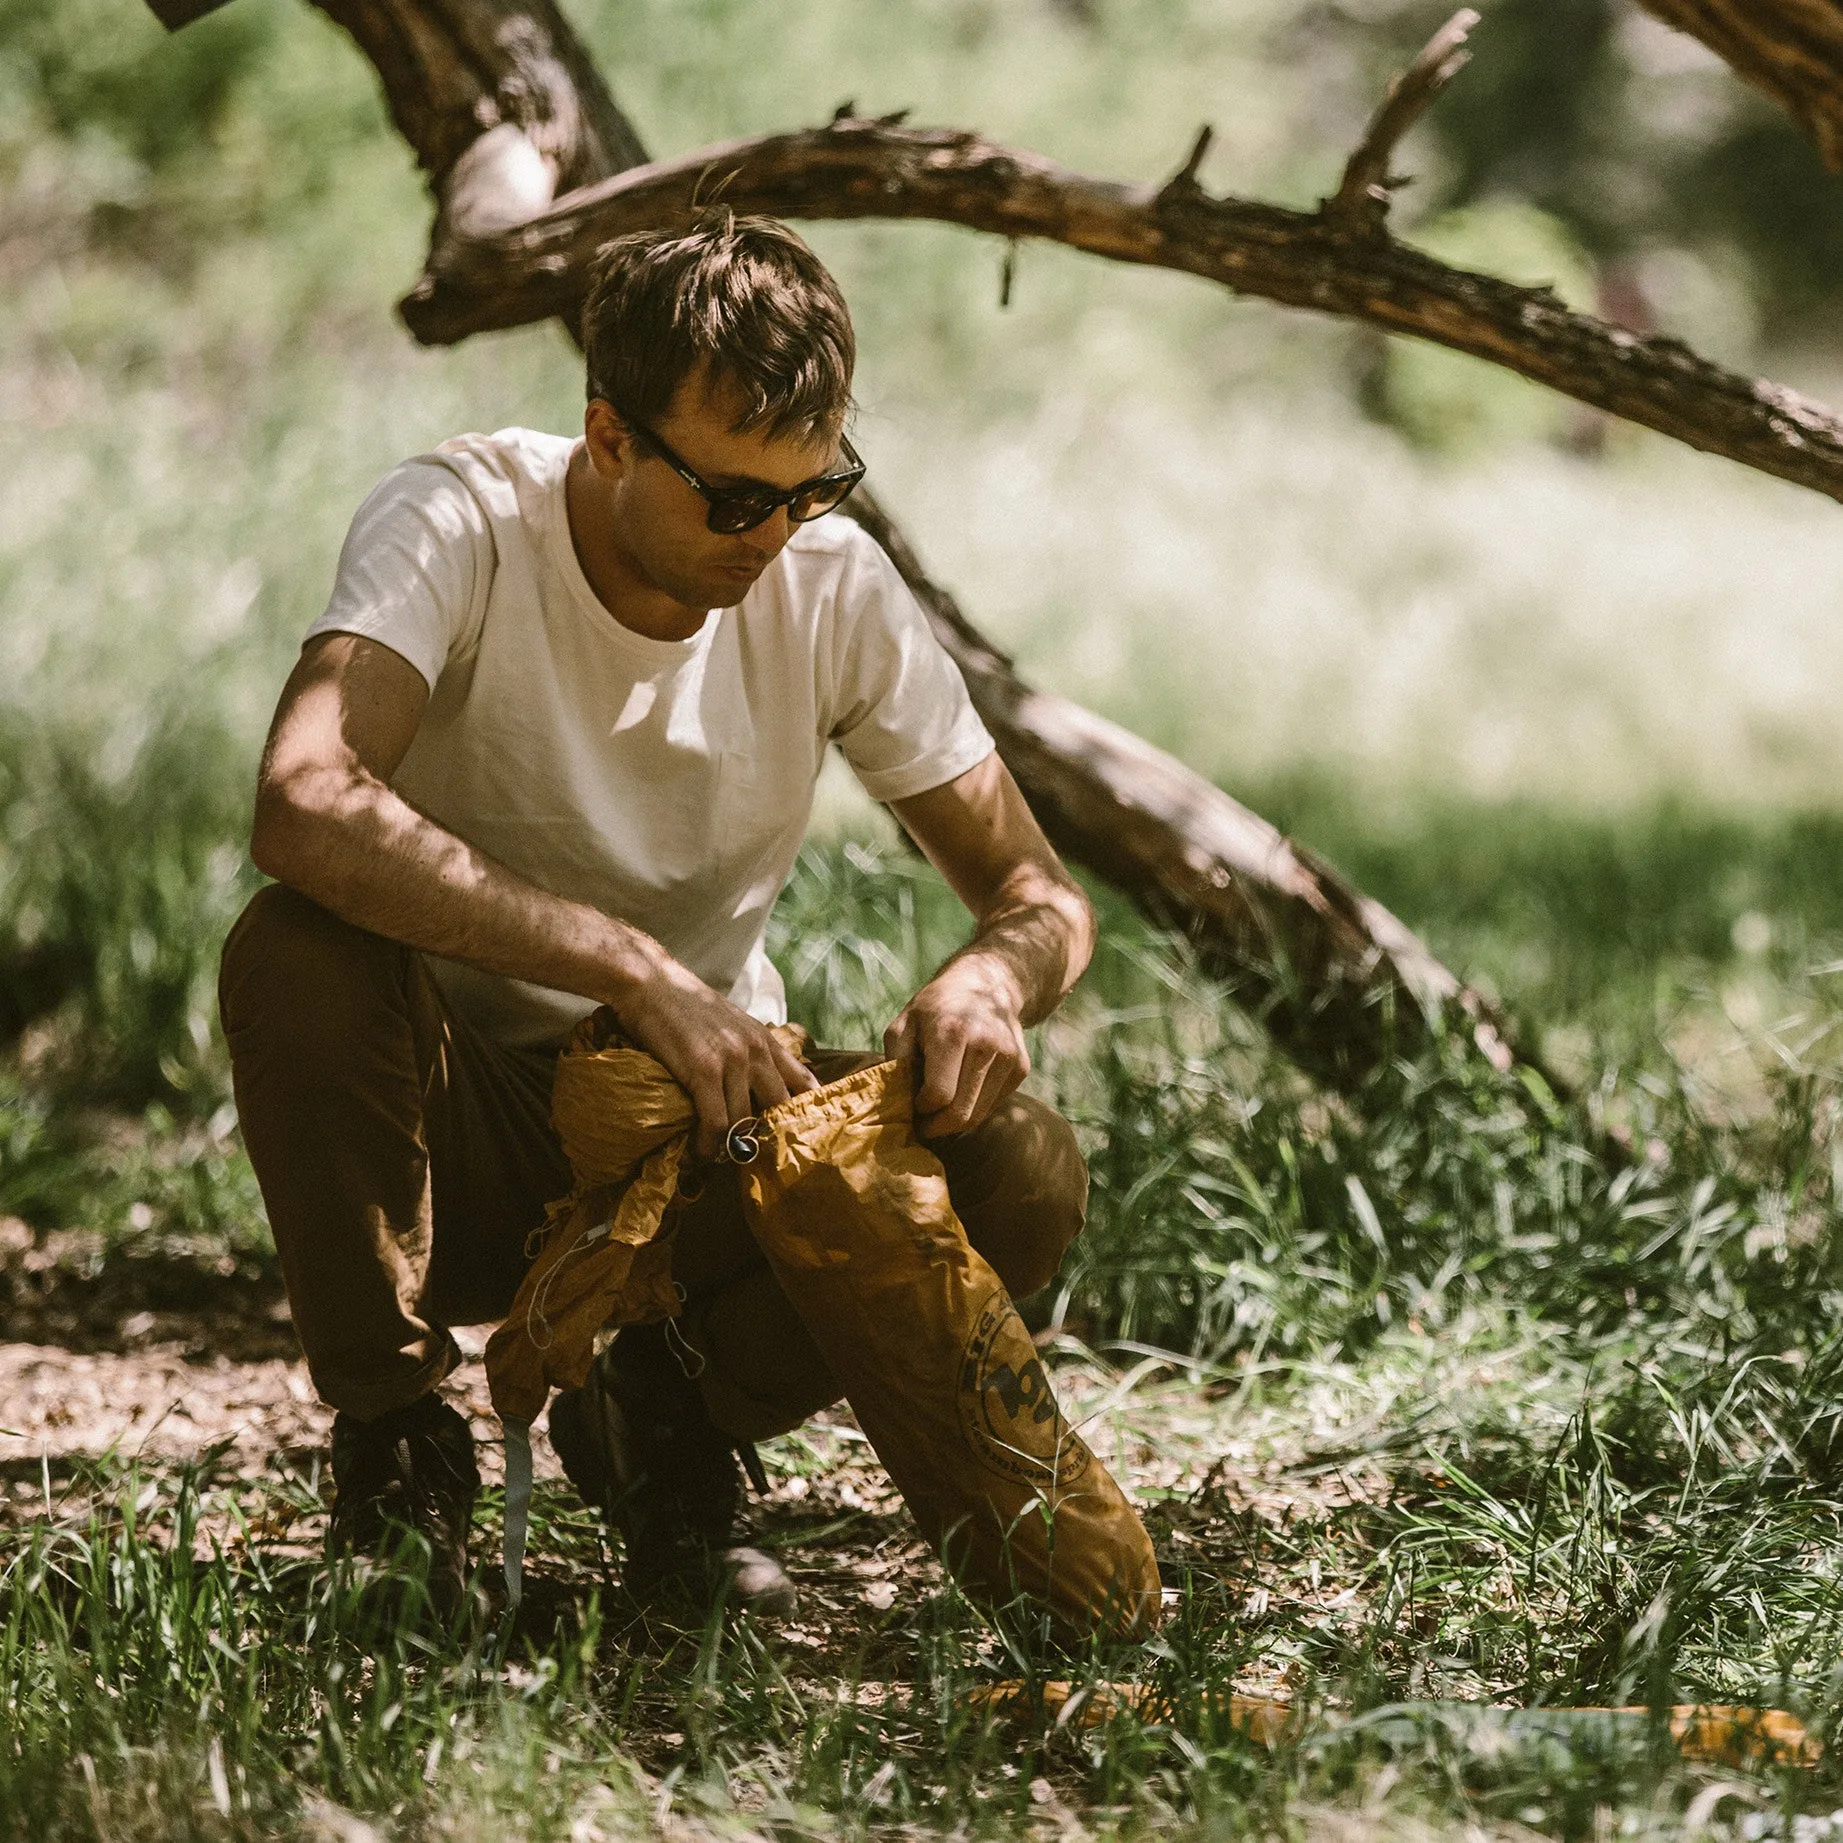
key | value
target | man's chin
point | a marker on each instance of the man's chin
(717, 588)
(727, 591)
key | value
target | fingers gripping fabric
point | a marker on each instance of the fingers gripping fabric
(854, 1216)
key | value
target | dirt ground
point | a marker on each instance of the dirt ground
(161, 1358)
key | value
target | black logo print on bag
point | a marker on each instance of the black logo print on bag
(1008, 1411)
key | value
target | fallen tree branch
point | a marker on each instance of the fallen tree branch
(1336, 978)
(499, 99)
(1790, 49)
(854, 168)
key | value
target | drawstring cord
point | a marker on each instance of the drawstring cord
(518, 1507)
(681, 1347)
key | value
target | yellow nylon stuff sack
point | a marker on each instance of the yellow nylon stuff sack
(625, 1124)
(606, 1261)
(606, 1258)
(853, 1214)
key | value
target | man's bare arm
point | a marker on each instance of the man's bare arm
(329, 825)
(1034, 936)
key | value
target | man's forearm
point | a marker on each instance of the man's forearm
(1036, 939)
(329, 824)
(349, 842)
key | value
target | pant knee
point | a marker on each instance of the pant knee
(761, 1372)
(293, 967)
(1020, 1184)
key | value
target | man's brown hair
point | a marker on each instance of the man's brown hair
(742, 296)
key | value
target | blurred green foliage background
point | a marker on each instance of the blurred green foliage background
(1561, 693)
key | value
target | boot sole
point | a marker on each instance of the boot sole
(751, 1579)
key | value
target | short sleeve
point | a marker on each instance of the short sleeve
(903, 718)
(416, 568)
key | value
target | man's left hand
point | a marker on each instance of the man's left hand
(964, 1031)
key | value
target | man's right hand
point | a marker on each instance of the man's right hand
(731, 1064)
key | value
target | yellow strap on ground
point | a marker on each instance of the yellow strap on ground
(1264, 1716)
(1716, 1734)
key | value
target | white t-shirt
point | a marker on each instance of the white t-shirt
(666, 782)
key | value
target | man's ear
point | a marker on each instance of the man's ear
(609, 440)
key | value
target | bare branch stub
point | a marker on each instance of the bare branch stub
(1361, 203)
(1184, 181)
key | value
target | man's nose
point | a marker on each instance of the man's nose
(767, 538)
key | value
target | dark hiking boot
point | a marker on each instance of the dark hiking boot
(410, 1471)
(639, 1445)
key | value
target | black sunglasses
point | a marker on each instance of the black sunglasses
(742, 508)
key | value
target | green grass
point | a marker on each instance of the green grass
(1537, 1429)
(171, 1669)
(1590, 1414)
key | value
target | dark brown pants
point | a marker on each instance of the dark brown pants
(405, 1159)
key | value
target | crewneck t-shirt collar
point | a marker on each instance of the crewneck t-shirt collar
(563, 551)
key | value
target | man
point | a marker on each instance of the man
(551, 747)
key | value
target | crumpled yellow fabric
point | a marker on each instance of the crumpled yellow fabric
(853, 1213)
(626, 1127)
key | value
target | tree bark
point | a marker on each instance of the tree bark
(499, 99)
(1790, 49)
(504, 107)
(1322, 260)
